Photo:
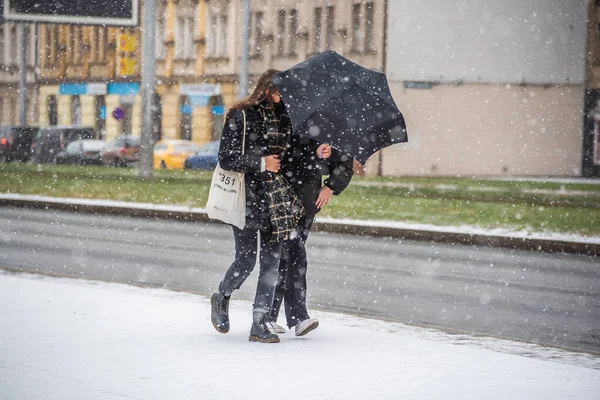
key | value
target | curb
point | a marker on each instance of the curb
(191, 215)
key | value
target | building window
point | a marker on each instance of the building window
(216, 40)
(102, 40)
(281, 32)
(50, 45)
(31, 45)
(13, 43)
(223, 35)
(94, 45)
(76, 45)
(369, 48)
(189, 35)
(179, 32)
(211, 36)
(258, 32)
(2, 47)
(317, 32)
(330, 27)
(293, 31)
(354, 38)
(184, 38)
(160, 37)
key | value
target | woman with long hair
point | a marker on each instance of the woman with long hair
(272, 211)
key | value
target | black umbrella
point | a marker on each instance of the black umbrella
(333, 100)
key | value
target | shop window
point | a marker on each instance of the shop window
(100, 117)
(185, 125)
(127, 118)
(156, 117)
(75, 110)
(52, 110)
(216, 116)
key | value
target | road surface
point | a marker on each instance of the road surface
(545, 298)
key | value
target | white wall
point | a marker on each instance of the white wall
(507, 41)
(485, 129)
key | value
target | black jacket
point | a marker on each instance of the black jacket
(256, 147)
(305, 171)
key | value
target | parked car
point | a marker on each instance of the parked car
(81, 152)
(48, 142)
(121, 152)
(205, 158)
(170, 154)
(15, 143)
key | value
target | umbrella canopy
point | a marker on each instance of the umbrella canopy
(335, 101)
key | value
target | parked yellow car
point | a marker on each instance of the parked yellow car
(170, 154)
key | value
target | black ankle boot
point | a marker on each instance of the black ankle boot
(259, 331)
(219, 312)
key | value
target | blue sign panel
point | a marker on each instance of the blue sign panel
(102, 113)
(72, 88)
(123, 89)
(217, 110)
(187, 109)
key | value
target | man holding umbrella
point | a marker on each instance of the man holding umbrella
(330, 100)
(308, 162)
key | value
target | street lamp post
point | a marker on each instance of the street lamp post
(243, 83)
(22, 73)
(148, 78)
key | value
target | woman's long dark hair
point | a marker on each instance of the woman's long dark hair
(265, 82)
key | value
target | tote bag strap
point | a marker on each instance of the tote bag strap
(244, 134)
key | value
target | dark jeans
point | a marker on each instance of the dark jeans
(291, 284)
(245, 259)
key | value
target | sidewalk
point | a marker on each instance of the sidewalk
(548, 242)
(63, 338)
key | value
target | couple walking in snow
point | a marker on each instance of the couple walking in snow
(284, 192)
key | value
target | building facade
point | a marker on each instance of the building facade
(88, 72)
(591, 126)
(90, 76)
(286, 32)
(488, 88)
(9, 74)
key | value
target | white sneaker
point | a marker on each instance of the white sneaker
(306, 326)
(274, 328)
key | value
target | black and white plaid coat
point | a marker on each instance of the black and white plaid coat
(268, 204)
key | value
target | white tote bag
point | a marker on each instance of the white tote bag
(227, 196)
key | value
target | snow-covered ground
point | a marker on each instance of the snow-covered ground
(73, 339)
(464, 229)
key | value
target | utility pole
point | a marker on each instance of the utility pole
(22, 74)
(243, 84)
(383, 69)
(148, 78)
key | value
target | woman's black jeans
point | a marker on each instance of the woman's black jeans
(245, 259)
(291, 283)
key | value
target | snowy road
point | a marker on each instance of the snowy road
(544, 298)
